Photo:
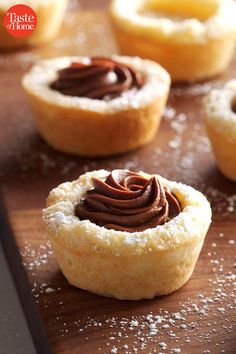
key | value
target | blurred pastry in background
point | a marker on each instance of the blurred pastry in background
(49, 18)
(97, 106)
(220, 118)
(192, 40)
(126, 234)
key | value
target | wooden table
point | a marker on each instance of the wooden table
(200, 317)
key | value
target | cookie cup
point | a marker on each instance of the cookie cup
(93, 127)
(49, 18)
(125, 265)
(195, 46)
(220, 119)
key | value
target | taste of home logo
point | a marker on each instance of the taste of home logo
(20, 20)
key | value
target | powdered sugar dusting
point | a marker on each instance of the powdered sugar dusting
(193, 321)
(164, 325)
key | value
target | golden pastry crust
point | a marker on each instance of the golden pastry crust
(220, 120)
(47, 26)
(92, 127)
(120, 264)
(197, 46)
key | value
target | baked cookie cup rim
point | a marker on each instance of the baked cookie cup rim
(189, 31)
(157, 82)
(218, 109)
(190, 225)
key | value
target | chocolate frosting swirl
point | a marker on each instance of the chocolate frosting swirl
(102, 78)
(128, 201)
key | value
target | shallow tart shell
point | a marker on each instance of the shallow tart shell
(197, 46)
(126, 265)
(92, 127)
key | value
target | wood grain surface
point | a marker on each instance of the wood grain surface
(200, 317)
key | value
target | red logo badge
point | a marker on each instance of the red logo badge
(20, 20)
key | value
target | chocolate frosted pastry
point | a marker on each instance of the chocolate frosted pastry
(144, 240)
(97, 106)
(101, 78)
(128, 201)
